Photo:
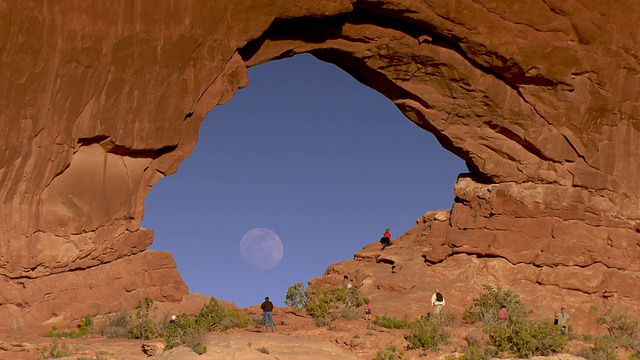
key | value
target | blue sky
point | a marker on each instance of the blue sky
(308, 152)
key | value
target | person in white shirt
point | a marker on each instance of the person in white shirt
(437, 301)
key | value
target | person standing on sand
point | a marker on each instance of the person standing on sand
(267, 313)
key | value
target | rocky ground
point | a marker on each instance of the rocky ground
(296, 338)
(398, 280)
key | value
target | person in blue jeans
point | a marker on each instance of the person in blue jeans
(267, 312)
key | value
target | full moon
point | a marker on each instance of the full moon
(261, 248)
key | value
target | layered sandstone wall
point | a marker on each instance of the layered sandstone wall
(101, 100)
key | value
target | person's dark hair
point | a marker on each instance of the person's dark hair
(266, 298)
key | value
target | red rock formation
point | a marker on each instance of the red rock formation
(101, 100)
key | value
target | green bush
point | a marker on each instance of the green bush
(391, 353)
(322, 321)
(212, 317)
(144, 327)
(85, 328)
(199, 349)
(622, 332)
(349, 313)
(55, 350)
(604, 348)
(296, 296)
(427, 333)
(322, 303)
(622, 328)
(479, 353)
(391, 322)
(257, 321)
(527, 338)
(486, 306)
(184, 331)
(478, 349)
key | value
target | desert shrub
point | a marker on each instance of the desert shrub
(234, 319)
(60, 333)
(199, 349)
(319, 303)
(194, 338)
(391, 322)
(144, 327)
(392, 352)
(427, 333)
(603, 349)
(55, 350)
(486, 306)
(478, 353)
(212, 317)
(478, 349)
(180, 332)
(185, 330)
(322, 321)
(352, 297)
(444, 318)
(317, 309)
(263, 350)
(349, 313)
(257, 320)
(85, 328)
(296, 296)
(527, 338)
(622, 328)
(117, 326)
(622, 332)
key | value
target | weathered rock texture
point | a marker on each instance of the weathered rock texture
(100, 100)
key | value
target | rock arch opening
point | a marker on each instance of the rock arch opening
(306, 151)
(540, 99)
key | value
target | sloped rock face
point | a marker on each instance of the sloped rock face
(101, 100)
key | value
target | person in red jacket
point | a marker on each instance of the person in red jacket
(386, 239)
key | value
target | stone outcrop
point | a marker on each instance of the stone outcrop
(101, 100)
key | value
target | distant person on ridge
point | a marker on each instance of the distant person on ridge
(267, 313)
(349, 294)
(347, 283)
(386, 239)
(437, 301)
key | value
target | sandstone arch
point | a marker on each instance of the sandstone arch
(101, 100)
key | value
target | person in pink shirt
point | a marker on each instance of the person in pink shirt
(368, 309)
(503, 314)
